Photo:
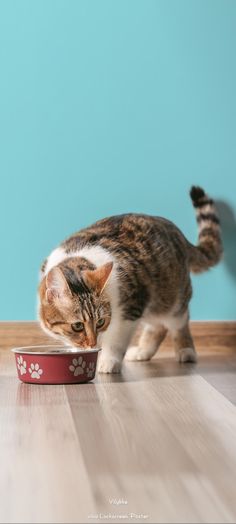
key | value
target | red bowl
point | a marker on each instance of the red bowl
(55, 364)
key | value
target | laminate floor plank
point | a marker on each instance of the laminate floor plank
(42, 474)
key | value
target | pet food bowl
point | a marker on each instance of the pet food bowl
(55, 364)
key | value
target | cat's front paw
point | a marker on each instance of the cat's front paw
(109, 365)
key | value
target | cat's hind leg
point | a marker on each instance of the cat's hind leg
(182, 339)
(146, 341)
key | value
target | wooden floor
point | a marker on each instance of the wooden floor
(156, 444)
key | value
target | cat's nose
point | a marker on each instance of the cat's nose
(92, 342)
(91, 338)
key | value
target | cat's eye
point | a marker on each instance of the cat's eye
(100, 323)
(77, 326)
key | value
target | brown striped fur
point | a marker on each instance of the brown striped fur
(209, 250)
(153, 262)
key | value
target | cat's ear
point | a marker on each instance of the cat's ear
(98, 278)
(56, 285)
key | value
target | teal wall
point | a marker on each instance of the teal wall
(109, 106)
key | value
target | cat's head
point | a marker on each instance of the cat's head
(74, 305)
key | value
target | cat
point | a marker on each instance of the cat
(126, 278)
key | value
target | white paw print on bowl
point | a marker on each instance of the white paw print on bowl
(35, 371)
(90, 369)
(77, 366)
(21, 364)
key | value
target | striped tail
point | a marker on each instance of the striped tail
(209, 250)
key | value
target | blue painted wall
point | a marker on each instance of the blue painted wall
(108, 107)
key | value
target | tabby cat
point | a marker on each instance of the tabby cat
(128, 277)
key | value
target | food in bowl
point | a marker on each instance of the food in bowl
(55, 364)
